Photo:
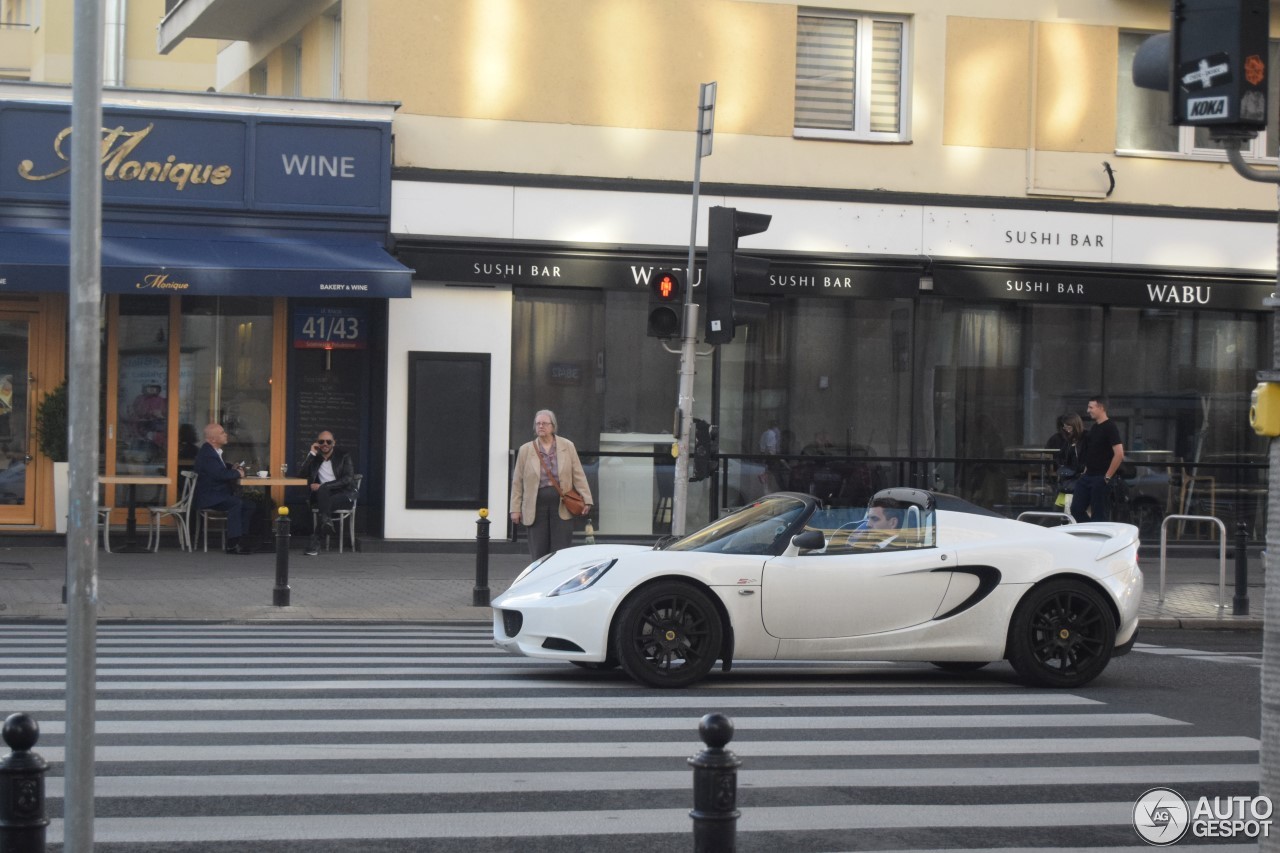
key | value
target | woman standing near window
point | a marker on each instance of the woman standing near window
(541, 465)
(1068, 465)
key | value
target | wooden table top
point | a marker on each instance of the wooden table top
(253, 480)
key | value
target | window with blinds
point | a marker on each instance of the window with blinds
(850, 72)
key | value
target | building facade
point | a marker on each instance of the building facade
(978, 222)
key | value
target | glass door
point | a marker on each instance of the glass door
(17, 440)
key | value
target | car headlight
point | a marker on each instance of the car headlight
(529, 568)
(583, 579)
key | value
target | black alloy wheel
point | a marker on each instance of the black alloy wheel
(1062, 635)
(668, 635)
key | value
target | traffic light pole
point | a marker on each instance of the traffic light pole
(689, 333)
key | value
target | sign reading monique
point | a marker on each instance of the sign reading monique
(117, 146)
(188, 159)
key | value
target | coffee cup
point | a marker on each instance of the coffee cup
(264, 474)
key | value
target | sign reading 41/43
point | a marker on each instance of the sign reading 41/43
(330, 328)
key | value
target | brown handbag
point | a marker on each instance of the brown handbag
(572, 501)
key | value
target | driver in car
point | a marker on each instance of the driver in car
(883, 523)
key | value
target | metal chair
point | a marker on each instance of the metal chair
(211, 516)
(104, 521)
(180, 512)
(341, 517)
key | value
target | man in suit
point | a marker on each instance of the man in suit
(217, 487)
(331, 477)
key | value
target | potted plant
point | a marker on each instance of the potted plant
(51, 437)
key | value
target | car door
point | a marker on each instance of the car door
(850, 593)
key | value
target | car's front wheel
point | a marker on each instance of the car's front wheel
(1062, 635)
(668, 635)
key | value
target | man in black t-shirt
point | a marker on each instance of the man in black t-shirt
(1103, 453)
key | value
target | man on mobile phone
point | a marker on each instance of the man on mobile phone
(331, 476)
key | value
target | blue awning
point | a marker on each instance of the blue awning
(172, 263)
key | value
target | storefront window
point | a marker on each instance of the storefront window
(142, 392)
(226, 365)
(585, 355)
(993, 379)
(817, 377)
(1179, 384)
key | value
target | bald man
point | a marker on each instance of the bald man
(216, 487)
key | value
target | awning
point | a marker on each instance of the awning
(172, 263)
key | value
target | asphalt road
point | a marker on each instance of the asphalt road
(326, 738)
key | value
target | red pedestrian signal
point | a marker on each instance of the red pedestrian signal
(665, 292)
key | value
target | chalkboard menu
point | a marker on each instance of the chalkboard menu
(448, 464)
(327, 400)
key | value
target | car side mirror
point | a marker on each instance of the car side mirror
(809, 540)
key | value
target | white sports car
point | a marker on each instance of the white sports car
(938, 579)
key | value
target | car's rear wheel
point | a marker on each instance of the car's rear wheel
(668, 635)
(1062, 635)
(960, 665)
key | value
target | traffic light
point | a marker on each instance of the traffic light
(727, 271)
(665, 304)
(706, 444)
(1214, 63)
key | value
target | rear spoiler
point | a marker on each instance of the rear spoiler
(1111, 536)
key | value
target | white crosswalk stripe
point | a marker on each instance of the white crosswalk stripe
(376, 737)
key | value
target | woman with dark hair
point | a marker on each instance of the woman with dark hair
(535, 499)
(1067, 462)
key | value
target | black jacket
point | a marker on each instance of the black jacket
(344, 471)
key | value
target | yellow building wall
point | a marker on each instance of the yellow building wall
(607, 63)
(189, 67)
(988, 88)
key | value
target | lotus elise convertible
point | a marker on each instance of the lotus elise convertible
(787, 578)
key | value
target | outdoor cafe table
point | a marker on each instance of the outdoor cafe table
(132, 481)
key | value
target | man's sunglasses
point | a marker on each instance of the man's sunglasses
(324, 441)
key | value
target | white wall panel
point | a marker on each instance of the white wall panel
(447, 319)
(1033, 235)
(607, 217)
(835, 227)
(455, 210)
(831, 227)
(1195, 243)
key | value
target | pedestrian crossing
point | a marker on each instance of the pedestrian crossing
(275, 737)
(1248, 659)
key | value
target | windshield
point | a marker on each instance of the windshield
(759, 528)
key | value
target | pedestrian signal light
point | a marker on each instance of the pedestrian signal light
(665, 292)
(1264, 409)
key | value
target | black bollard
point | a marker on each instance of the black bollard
(1240, 603)
(715, 788)
(22, 820)
(280, 595)
(480, 595)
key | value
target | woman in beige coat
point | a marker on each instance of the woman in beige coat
(535, 502)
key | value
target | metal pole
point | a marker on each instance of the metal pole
(281, 594)
(689, 333)
(1240, 602)
(715, 788)
(480, 593)
(82, 429)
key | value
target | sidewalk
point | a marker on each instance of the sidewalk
(376, 586)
